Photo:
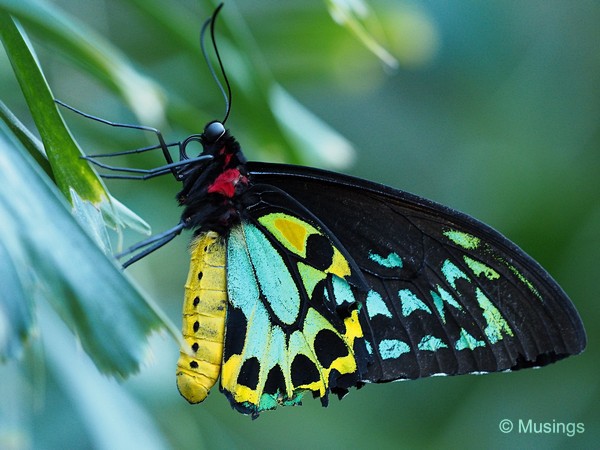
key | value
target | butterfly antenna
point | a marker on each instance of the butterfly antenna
(226, 94)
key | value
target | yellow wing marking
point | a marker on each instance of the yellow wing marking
(343, 364)
(293, 233)
(300, 342)
(204, 309)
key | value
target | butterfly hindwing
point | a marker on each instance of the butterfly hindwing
(446, 294)
(292, 320)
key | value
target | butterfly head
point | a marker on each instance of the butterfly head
(217, 142)
(213, 131)
(211, 186)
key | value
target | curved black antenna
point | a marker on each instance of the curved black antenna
(226, 95)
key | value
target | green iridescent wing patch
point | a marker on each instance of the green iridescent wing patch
(292, 324)
(445, 293)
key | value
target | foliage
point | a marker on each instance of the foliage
(493, 110)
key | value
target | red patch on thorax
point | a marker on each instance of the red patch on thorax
(226, 182)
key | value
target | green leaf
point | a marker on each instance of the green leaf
(111, 415)
(251, 81)
(70, 171)
(352, 14)
(27, 139)
(73, 175)
(305, 128)
(93, 52)
(47, 254)
(16, 316)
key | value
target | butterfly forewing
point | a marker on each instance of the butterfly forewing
(446, 294)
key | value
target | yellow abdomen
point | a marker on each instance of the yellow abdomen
(204, 309)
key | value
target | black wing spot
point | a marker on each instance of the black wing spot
(235, 334)
(193, 364)
(195, 347)
(275, 381)
(304, 371)
(249, 373)
(200, 275)
(196, 326)
(196, 301)
(329, 346)
(319, 252)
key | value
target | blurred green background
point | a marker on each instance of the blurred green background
(494, 109)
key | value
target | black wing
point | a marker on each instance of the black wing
(448, 294)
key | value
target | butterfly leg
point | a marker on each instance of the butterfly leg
(162, 144)
(156, 172)
(145, 174)
(149, 245)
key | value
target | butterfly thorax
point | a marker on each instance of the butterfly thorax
(211, 190)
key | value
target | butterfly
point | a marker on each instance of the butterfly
(308, 281)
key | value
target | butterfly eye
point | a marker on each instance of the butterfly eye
(213, 131)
